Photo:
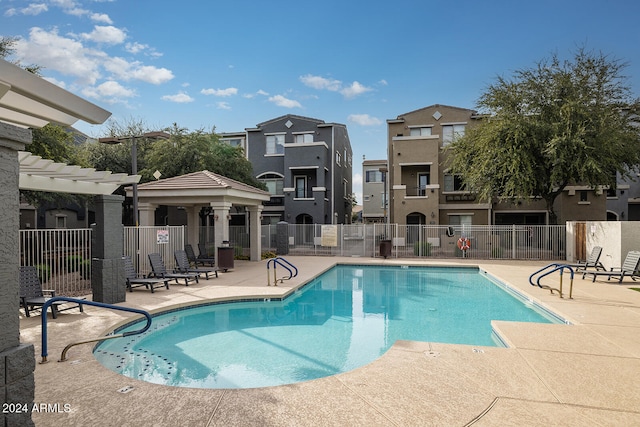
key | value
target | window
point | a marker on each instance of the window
(338, 158)
(275, 144)
(366, 198)
(460, 219)
(61, 221)
(420, 131)
(234, 142)
(451, 132)
(452, 183)
(301, 187)
(303, 138)
(373, 176)
(274, 183)
(584, 197)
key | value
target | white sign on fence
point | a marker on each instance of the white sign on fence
(163, 237)
(330, 235)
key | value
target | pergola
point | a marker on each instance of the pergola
(27, 102)
(197, 190)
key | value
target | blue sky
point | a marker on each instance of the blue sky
(234, 64)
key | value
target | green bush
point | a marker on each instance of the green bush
(422, 248)
(268, 255)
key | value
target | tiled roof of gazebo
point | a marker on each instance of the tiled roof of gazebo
(200, 180)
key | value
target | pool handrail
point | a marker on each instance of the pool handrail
(43, 316)
(553, 267)
(276, 261)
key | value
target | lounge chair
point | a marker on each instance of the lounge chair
(134, 281)
(629, 269)
(191, 256)
(160, 271)
(204, 253)
(592, 261)
(32, 295)
(182, 265)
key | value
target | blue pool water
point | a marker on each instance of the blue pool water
(344, 319)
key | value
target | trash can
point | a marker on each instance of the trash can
(225, 257)
(385, 248)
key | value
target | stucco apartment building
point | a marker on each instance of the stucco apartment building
(307, 167)
(422, 191)
(374, 191)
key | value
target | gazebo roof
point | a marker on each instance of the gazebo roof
(199, 188)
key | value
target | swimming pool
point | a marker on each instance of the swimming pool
(343, 319)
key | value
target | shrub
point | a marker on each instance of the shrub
(422, 248)
(268, 254)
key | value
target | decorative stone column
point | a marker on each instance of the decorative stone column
(147, 213)
(221, 211)
(107, 268)
(255, 232)
(17, 361)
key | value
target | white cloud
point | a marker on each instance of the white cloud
(281, 101)
(333, 85)
(354, 90)
(220, 92)
(105, 34)
(62, 54)
(223, 105)
(101, 17)
(33, 9)
(320, 83)
(110, 89)
(383, 82)
(76, 11)
(126, 70)
(135, 47)
(364, 120)
(180, 98)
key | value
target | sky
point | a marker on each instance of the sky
(231, 65)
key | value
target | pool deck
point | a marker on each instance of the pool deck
(587, 373)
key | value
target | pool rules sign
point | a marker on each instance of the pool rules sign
(162, 237)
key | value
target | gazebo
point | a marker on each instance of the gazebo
(204, 189)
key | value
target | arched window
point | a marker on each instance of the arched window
(274, 182)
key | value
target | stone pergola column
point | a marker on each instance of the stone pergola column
(107, 268)
(147, 212)
(17, 360)
(255, 232)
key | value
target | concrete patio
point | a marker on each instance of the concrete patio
(587, 373)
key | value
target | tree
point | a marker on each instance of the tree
(556, 124)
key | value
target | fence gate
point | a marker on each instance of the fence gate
(581, 240)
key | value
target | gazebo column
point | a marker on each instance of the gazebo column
(221, 223)
(147, 213)
(255, 232)
(193, 224)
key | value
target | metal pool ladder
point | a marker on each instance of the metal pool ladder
(547, 270)
(293, 271)
(63, 357)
